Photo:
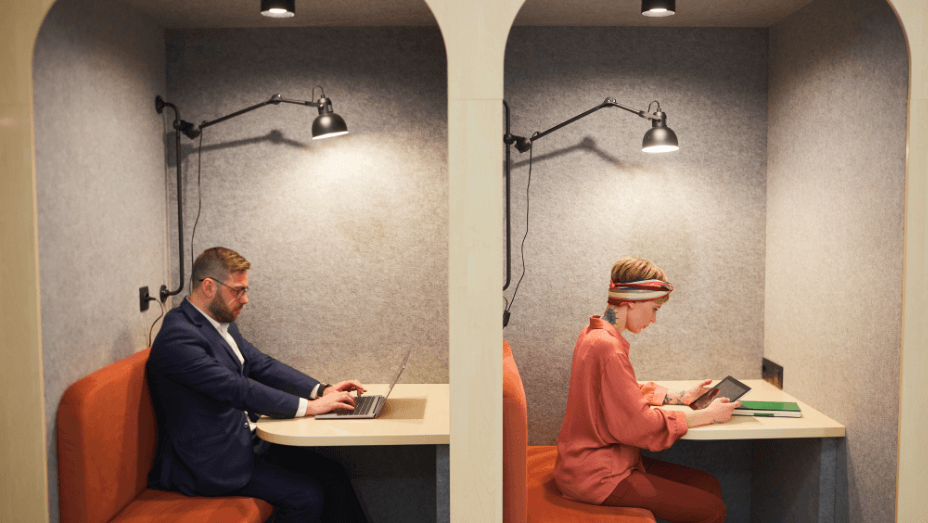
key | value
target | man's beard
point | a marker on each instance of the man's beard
(221, 311)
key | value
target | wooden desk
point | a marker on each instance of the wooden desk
(812, 424)
(414, 414)
(794, 469)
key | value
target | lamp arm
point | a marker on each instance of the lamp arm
(609, 102)
(192, 131)
(274, 100)
(298, 102)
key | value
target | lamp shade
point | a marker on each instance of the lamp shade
(278, 8)
(659, 140)
(658, 8)
(329, 125)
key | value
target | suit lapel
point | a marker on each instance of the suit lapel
(210, 333)
(217, 338)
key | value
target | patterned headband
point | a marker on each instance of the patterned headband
(641, 290)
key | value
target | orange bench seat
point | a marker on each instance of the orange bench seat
(107, 435)
(530, 494)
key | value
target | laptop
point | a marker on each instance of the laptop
(367, 406)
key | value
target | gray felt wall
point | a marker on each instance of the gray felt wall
(835, 209)
(100, 188)
(698, 212)
(347, 236)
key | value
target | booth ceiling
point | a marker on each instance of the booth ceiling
(185, 14)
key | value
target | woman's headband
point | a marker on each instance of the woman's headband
(641, 290)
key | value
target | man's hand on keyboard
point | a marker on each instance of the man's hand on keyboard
(345, 386)
(330, 401)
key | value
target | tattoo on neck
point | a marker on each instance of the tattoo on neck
(609, 316)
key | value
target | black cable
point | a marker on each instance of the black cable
(522, 247)
(199, 207)
(156, 319)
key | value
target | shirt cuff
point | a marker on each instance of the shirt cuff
(302, 408)
(679, 427)
(654, 393)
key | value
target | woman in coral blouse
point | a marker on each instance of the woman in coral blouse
(609, 418)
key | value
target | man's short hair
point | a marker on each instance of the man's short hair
(635, 269)
(217, 262)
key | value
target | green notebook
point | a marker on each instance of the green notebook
(769, 408)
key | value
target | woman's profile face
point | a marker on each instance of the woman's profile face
(641, 314)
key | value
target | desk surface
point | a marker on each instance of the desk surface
(812, 424)
(413, 415)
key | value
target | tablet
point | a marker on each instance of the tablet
(728, 388)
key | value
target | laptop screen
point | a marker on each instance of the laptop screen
(400, 371)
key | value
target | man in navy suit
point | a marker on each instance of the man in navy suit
(209, 386)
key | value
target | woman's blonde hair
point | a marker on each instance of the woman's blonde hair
(630, 268)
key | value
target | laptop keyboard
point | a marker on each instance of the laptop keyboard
(364, 405)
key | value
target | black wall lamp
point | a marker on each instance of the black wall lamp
(658, 139)
(326, 125)
(278, 8)
(658, 8)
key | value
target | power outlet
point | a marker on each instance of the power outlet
(772, 373)
(144, 297)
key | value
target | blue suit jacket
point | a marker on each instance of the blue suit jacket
(200, 390)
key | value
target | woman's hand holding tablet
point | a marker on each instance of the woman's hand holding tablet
(727, 388)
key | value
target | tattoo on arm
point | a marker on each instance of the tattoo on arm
(673, 397)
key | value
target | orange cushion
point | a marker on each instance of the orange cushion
(157, 505)
(107, 434)
(529, 492)
(515, 440)
(106, 441)
(545, 503)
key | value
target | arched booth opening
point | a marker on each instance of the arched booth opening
(347, 237)
(783, 205)
(474, 36)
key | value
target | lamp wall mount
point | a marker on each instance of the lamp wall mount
(179, 127)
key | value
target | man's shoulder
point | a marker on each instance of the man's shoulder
(175, 320)
(177, 324)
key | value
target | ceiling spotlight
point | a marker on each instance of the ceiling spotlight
(658, 8)
(278, 8)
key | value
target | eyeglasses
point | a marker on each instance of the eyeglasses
(239, 292)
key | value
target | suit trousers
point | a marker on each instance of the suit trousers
(304, 487)
(671, 492)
